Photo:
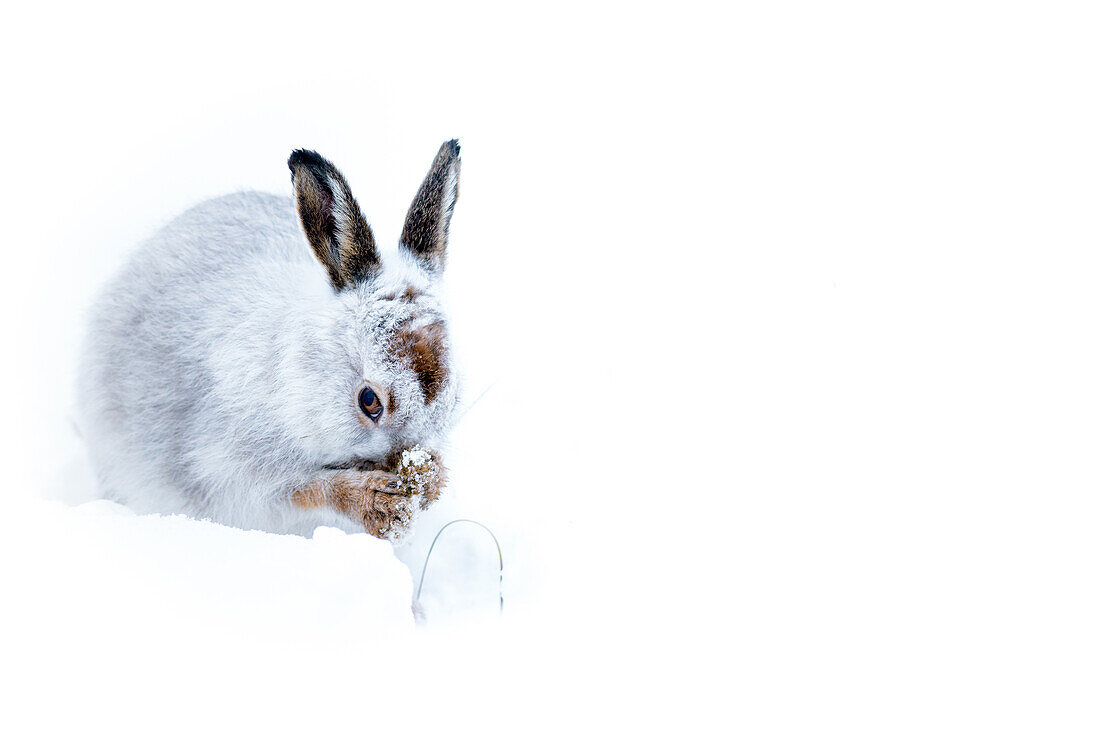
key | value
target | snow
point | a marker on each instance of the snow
(415, 469)
(847, 250)
(123, 570)
(414, 456)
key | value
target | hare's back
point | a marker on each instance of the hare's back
(230, 231)
(218, 272)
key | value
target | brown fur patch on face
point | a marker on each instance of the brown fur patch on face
(331, 219)
(425, 351)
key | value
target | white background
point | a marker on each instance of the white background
(787, 313)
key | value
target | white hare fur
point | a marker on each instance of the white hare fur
(223, 364)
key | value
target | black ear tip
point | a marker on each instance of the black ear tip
(304, 157)
(452, 147)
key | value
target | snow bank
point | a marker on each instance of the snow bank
(173, 623)
(169, 623)
(126, 572)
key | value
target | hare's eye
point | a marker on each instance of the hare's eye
(370, 404)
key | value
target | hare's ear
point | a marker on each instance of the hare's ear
(429, 217)
(335, 227)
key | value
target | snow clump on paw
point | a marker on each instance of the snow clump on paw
(416, 470)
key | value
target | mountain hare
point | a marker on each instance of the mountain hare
(238, 370)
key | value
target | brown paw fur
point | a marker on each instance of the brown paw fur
(373, 498)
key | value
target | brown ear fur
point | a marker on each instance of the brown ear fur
(334, 226)
(429, 217)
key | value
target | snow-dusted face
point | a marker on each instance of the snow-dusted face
(384, 375)
(405, 391)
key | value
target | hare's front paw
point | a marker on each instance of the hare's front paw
(422, 474)
(373, 498)
(387, 515)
